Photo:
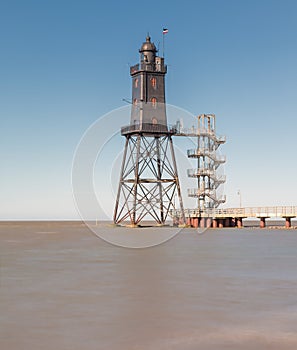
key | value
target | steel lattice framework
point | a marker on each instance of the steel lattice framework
(148, 179)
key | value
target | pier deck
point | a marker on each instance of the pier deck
(233, 216)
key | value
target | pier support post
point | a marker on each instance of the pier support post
(202, 223)
(227, 222)
(208, 222)
(288, 222)
(239, 222)
(262, 222)
(214, 223)
(195, 222)
(188, 221)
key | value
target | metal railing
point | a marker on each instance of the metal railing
(204, 152)
(200, 172)
(206, 172)
(194, 192)
(155, 67)
(148, 128)
(248, 212)
(192, 132)
(257, 212)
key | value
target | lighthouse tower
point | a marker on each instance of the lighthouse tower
(149, 182)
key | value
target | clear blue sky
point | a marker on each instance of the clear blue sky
(63, 64)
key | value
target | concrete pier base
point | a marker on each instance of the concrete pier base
(208, 222)
(195, 222)
(202, 223)
(227, 222)
(219, 222)
(132, 226)
(181, 222)
(262, 222)
(288, 222)
(239, 222)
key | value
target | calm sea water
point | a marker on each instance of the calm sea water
(64, 288)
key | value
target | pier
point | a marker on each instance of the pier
(233, 217)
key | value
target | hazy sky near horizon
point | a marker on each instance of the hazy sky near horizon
(64, 64)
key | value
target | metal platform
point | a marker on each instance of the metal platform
(148, 128)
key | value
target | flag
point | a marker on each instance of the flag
(165, 30)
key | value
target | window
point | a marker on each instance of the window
(154, 121)
(136, 82)
(154, 82)
(135, 101)
(154, 102)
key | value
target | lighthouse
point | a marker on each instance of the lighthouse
(149, 181)
(148, 87)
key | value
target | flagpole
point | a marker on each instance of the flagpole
(165, 31)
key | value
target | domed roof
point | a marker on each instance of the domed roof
(148, 46)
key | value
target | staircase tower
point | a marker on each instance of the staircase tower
(208, 162)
